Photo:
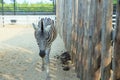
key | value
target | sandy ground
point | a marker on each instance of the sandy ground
(19, 59)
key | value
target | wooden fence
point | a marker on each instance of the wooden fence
(85, 26)
(116, 50)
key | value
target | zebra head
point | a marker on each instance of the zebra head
(42, 33)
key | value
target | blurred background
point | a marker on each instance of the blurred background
(25, 12)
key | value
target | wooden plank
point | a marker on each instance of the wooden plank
(116, 55)
(92, 40)
(68, 23)
(60, 16)
(106, 39)
(94, 44)
(79, 43)
(86, 10)
(73, 34)
(96, 54)
(80, 27)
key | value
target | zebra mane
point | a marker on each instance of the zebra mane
(42, 28)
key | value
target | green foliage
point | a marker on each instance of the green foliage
(114, 1)
(0, 1)
(29, 7)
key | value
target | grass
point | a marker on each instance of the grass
(29, 7)
(114, 1)
(38, 7)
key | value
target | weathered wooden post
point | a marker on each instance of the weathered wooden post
(84, 37)
(64, 20)
(77, 33)
(73, 34)
(81, 23)
(68, 23)
(60, 16)
(94, 45)
(96, 39)
(87, 39)
(106, 39)
(116, 55)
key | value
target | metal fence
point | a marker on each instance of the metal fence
(16, 9)
(21, 20)
(28, 11)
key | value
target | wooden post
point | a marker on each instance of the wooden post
(60, 16)
(116, 56)
(106, 39)
(79, 34)
(81, 23)
(64, 12)
(85, 14)
(73, 33)
(94, 38)
(68, 23)
(94, 43)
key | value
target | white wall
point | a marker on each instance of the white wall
(23, 19)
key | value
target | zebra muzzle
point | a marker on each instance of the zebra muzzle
(42, 53)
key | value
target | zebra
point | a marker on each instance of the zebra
(45, 33)
(113, 32)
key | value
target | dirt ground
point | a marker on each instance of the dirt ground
(19, 59)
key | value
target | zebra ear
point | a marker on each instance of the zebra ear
(34, 26)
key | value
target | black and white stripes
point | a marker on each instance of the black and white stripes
(45, 34)
(114, 20)
(114, 17)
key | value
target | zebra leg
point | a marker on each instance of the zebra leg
(47, 64)
(43, 64)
